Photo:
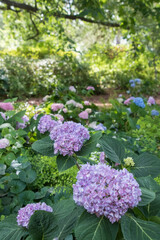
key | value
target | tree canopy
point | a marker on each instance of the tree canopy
(39, 14)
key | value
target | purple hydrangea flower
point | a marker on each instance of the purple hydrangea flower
(104, 191)
(25, 213)
(46, 124)
(68, 137)
(100, 127)
(139, 102)
(83, 115)
(151, 101)
(3, 115)
(102, 157)
(4, 142)
(90, 88)
(22, 125)
(56, 106)
(72, 89)
(154, 112)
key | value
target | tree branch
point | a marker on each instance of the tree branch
(19, 5)
(75, 17)
(35, 27)
(29, 8)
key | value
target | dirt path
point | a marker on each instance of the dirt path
(99, 100)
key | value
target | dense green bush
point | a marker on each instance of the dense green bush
(48, 175)
(30, 77)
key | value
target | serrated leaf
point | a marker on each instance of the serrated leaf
(90, 145)
(27, 176)
(149, 183)
(13, 119)
(90, 227)
(67, 214)
(85, 160)
(42, 225)
(153, 208)
(147, 196)
(65, 162)
(44, 147)
(42, 193)
(17, 186)
(146, 164)
(26, 197)
(9, 229)
(137, 229)
(2, 169)
(113, 148)
(1, 119)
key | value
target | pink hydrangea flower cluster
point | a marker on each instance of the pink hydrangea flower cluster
(46, 124)
(25, 213)
(102, 190)
(151, 101)
(4, 142)
(56, 106)
(69, 137)
(22, 125)
(6, 106)
(90, 88)
(83, 115)
(128, 101)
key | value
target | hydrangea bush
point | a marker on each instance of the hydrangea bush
(115, 196)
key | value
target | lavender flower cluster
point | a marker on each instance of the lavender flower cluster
(68, 137)
(22, 125)
(4, 142)
(46, 124)
(151, 101)
(25, 213)
(56, 106)
(102, 190)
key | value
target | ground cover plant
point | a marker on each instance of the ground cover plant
(79, 176)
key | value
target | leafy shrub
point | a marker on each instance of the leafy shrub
(48, 175)
(4, 83)
(28, 77)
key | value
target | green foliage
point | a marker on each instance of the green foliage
(92, 227)
(113, 149)
(28, 77)
(42, 225)
(9, 229)
(48, 175)
(4, 83)
(148, 135)
(135, 229)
